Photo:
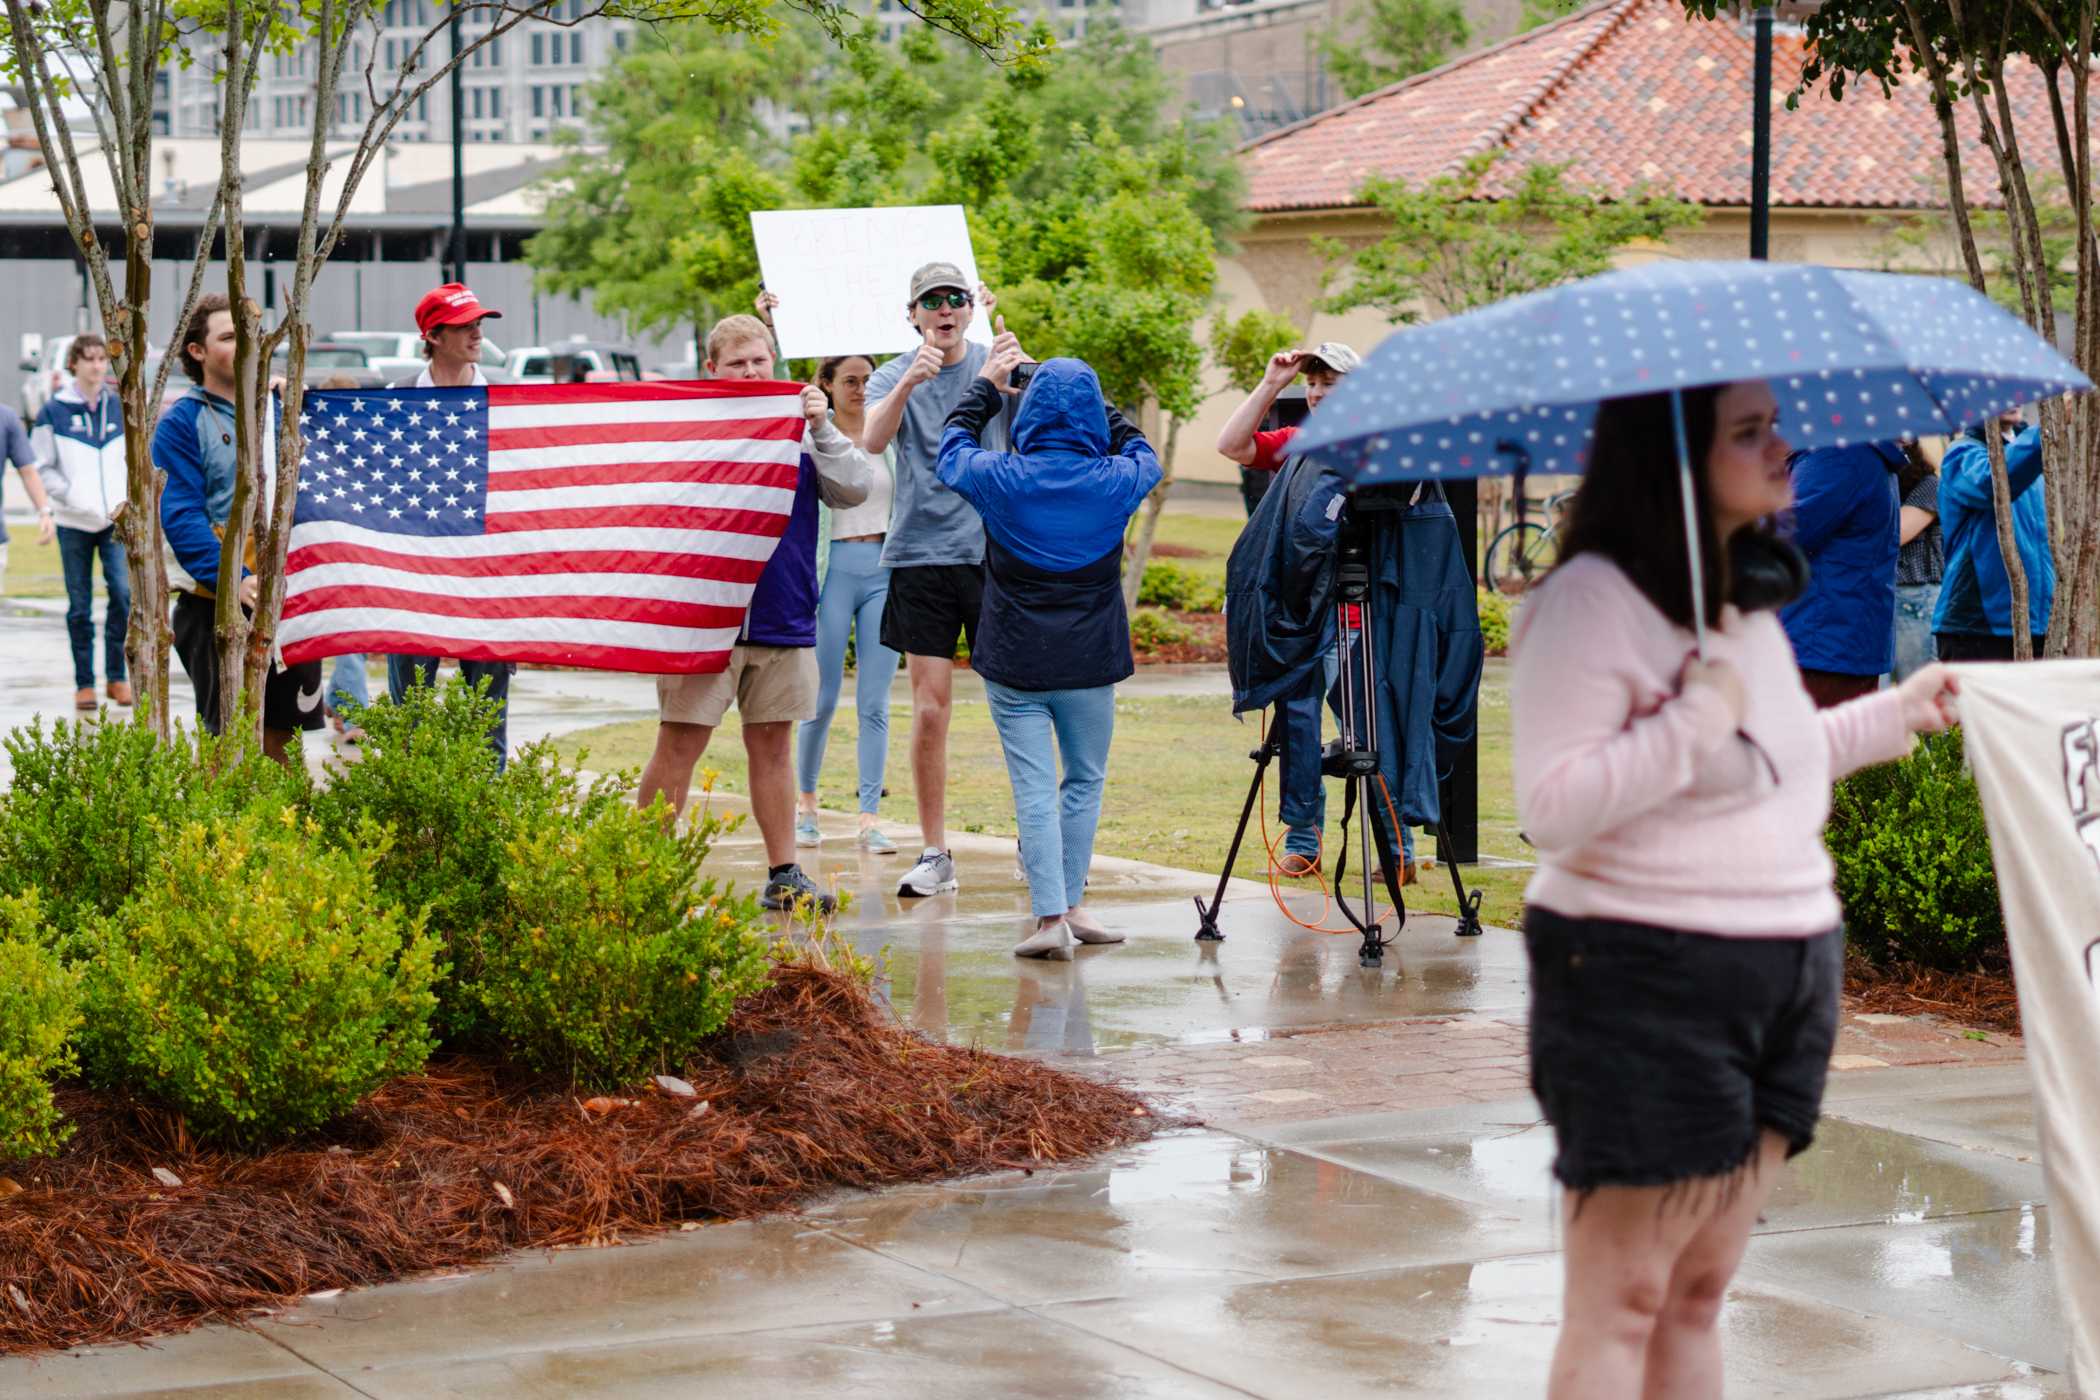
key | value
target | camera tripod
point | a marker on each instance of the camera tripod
(1354, 758)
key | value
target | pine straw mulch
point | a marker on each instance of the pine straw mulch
(812, 1087)
(1986, 1000)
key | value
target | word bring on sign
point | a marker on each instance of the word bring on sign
(843, 276)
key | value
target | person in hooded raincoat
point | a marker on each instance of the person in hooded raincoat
(1053, 639)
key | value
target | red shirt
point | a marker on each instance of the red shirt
(1270, 449)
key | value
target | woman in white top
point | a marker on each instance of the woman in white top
(854, 587)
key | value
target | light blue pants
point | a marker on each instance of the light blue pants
(1057, 818)
(347, 689)
(855, 588)
(1915, 647)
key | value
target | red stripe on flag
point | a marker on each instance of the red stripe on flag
(590, 658)
(784, 476)
(601, 434)
(649, 391)
(655, 611)
(767, 524)
(684, 564)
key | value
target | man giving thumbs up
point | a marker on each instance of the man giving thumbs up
(935, 549)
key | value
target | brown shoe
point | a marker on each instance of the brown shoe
(1292, 866)
(84, 700)
(120, 693)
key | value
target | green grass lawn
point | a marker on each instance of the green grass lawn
(1178, 772)
(1211, 534)
(33, 570)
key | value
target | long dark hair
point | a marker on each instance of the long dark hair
(1915, 468)
(1629, 508)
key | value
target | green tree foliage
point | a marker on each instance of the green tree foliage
(1926, 241)
(1453, 246)
(1243, 345)
(1394, 39)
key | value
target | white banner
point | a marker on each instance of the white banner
(2032, 733)
(843, 276)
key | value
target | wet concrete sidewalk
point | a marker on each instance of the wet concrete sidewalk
(1364, 1209)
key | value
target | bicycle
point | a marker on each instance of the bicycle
(1525, 550)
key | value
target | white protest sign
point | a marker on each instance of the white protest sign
(843, 276)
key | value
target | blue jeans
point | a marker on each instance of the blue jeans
(77, 552)
(405, 671)
(1915, 647)
(855, 585)
(347, 689)
(1057, 818)
(1302, 806)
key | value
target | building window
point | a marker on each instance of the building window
(620, 40)
(495, 102)
(539, 101)
(576, 46)
(539, 51)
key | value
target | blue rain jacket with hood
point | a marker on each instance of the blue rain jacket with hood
(1844, 523)
(1054, 512)
(1424, 623)
(1975, 592)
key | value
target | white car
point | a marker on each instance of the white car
(538, 364)
(398, 355)
(45, 371)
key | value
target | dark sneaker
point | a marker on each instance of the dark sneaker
(789, 890)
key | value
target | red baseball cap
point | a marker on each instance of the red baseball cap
(451, 305)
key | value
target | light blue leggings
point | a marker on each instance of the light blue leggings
(855, 586)
(1057, 818)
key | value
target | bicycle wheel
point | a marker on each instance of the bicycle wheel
(1520, 556)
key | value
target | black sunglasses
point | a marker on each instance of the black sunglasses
(933, 301)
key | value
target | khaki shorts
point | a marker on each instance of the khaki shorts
(770, 685)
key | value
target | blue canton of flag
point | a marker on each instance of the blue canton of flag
(405, 462)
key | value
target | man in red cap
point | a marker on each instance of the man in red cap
(450, 318)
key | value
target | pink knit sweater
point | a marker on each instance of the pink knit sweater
(1644, 804)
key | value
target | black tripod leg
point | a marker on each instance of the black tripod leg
(1207, 919)
(1468, 903)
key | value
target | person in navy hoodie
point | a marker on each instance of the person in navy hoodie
(79, 446)
(772, 674)
(1053, 638)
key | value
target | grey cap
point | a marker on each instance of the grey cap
(1333, 354)
(935, 275)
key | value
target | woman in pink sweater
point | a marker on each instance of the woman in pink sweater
(1685, 942)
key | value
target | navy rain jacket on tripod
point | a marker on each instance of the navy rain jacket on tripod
(1425, 621)
(1054, 512)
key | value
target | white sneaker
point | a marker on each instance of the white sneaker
(934, 874)
(1053, 941)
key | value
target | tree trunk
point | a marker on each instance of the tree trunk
(1148, 520)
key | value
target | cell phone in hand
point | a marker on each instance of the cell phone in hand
(1020, 375)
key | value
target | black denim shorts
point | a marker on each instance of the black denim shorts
(1660, 1056)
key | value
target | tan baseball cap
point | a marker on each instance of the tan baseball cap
(1334, 355)
(936, 276)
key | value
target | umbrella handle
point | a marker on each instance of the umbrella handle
(1691, 522)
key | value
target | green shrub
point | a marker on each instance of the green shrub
(256, 982)
(1151, 629)
(90, 805)
(38, 1015)
(1168, 585)
(611, 958)
(1496, 612)
(1914, 862)
(429, 779)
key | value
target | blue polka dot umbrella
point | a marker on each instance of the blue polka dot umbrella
(1514, 387)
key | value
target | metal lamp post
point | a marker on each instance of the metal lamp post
(457, 248)
(1761, 136)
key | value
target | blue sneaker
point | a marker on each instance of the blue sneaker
(806, 834)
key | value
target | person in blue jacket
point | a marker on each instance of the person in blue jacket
(1844, 524)
(193, 445)
(1974, 619)
(1053, 638)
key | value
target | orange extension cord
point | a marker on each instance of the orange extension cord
(1319, 870)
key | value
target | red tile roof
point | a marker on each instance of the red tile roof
(1630, 91)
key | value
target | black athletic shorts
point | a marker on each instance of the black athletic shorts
(930, 605)
(291, 695)
(1661, 1057)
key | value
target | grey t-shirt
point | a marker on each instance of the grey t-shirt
(15, 448)
(931, 524)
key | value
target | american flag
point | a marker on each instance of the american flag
(610, 526)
